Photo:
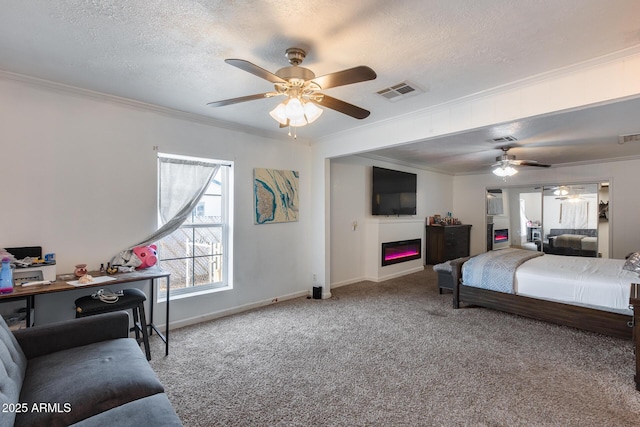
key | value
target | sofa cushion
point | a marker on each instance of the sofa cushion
(12, 371)
(153, 411)
(84, 381)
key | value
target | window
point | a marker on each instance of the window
(197, 254)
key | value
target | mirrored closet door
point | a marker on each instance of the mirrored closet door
(564, 219)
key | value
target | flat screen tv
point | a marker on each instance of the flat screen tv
(394, 192)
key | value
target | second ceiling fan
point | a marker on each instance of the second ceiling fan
(504, 163)
(302, 90)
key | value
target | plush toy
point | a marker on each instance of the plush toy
(147, 256)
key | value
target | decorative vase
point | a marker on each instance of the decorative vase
(81, 270)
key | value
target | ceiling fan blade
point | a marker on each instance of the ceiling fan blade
(345, 77)
(343, 107)
(531, 163)
(255, 70)
(237, 100)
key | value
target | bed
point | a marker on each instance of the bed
(592, 294)
(585, 293)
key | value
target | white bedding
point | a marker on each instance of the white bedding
(592, 282)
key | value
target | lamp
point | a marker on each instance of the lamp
(295, 112)
(505, 170)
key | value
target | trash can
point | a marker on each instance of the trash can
(317, 292)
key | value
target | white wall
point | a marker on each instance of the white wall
(79, 179)
(355, 254)
(469, 192)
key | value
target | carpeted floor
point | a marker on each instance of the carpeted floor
(394, 354)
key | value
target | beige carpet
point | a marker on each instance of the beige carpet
(394, 354)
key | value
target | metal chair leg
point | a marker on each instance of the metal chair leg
(144, 329)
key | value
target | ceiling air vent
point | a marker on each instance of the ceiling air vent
(400, 91)
(504, 139)
(632, 137)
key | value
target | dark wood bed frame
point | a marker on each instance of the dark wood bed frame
(603, 322)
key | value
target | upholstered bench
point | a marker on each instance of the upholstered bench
(445, 280)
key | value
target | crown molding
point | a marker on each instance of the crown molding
(64, 89)
(488, 169)
(402, 163)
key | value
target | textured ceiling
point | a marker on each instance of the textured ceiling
(171, 53)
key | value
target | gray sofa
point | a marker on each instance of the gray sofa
(82, 372)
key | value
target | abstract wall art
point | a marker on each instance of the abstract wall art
(276, 195)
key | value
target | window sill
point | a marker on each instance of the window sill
(194, 293)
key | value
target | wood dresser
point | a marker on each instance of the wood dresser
(446, 242)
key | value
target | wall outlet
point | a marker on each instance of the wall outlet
(314, 277)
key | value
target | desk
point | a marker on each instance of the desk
(534, 233)
(28, 293)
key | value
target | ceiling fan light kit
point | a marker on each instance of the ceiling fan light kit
(505, 171)
(293, 112)
(302, 89)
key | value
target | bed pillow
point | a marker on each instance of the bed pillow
(633, 263)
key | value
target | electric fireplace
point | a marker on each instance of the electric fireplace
(401, 251)
(500, 238)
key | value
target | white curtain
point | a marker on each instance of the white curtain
(182, 184)
(523, 220)
(574, 214)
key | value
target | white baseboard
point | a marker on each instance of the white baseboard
(377, 279)
(400, 274)
(349, 282)
(234, 310)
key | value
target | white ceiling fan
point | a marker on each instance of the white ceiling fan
(567, 192)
